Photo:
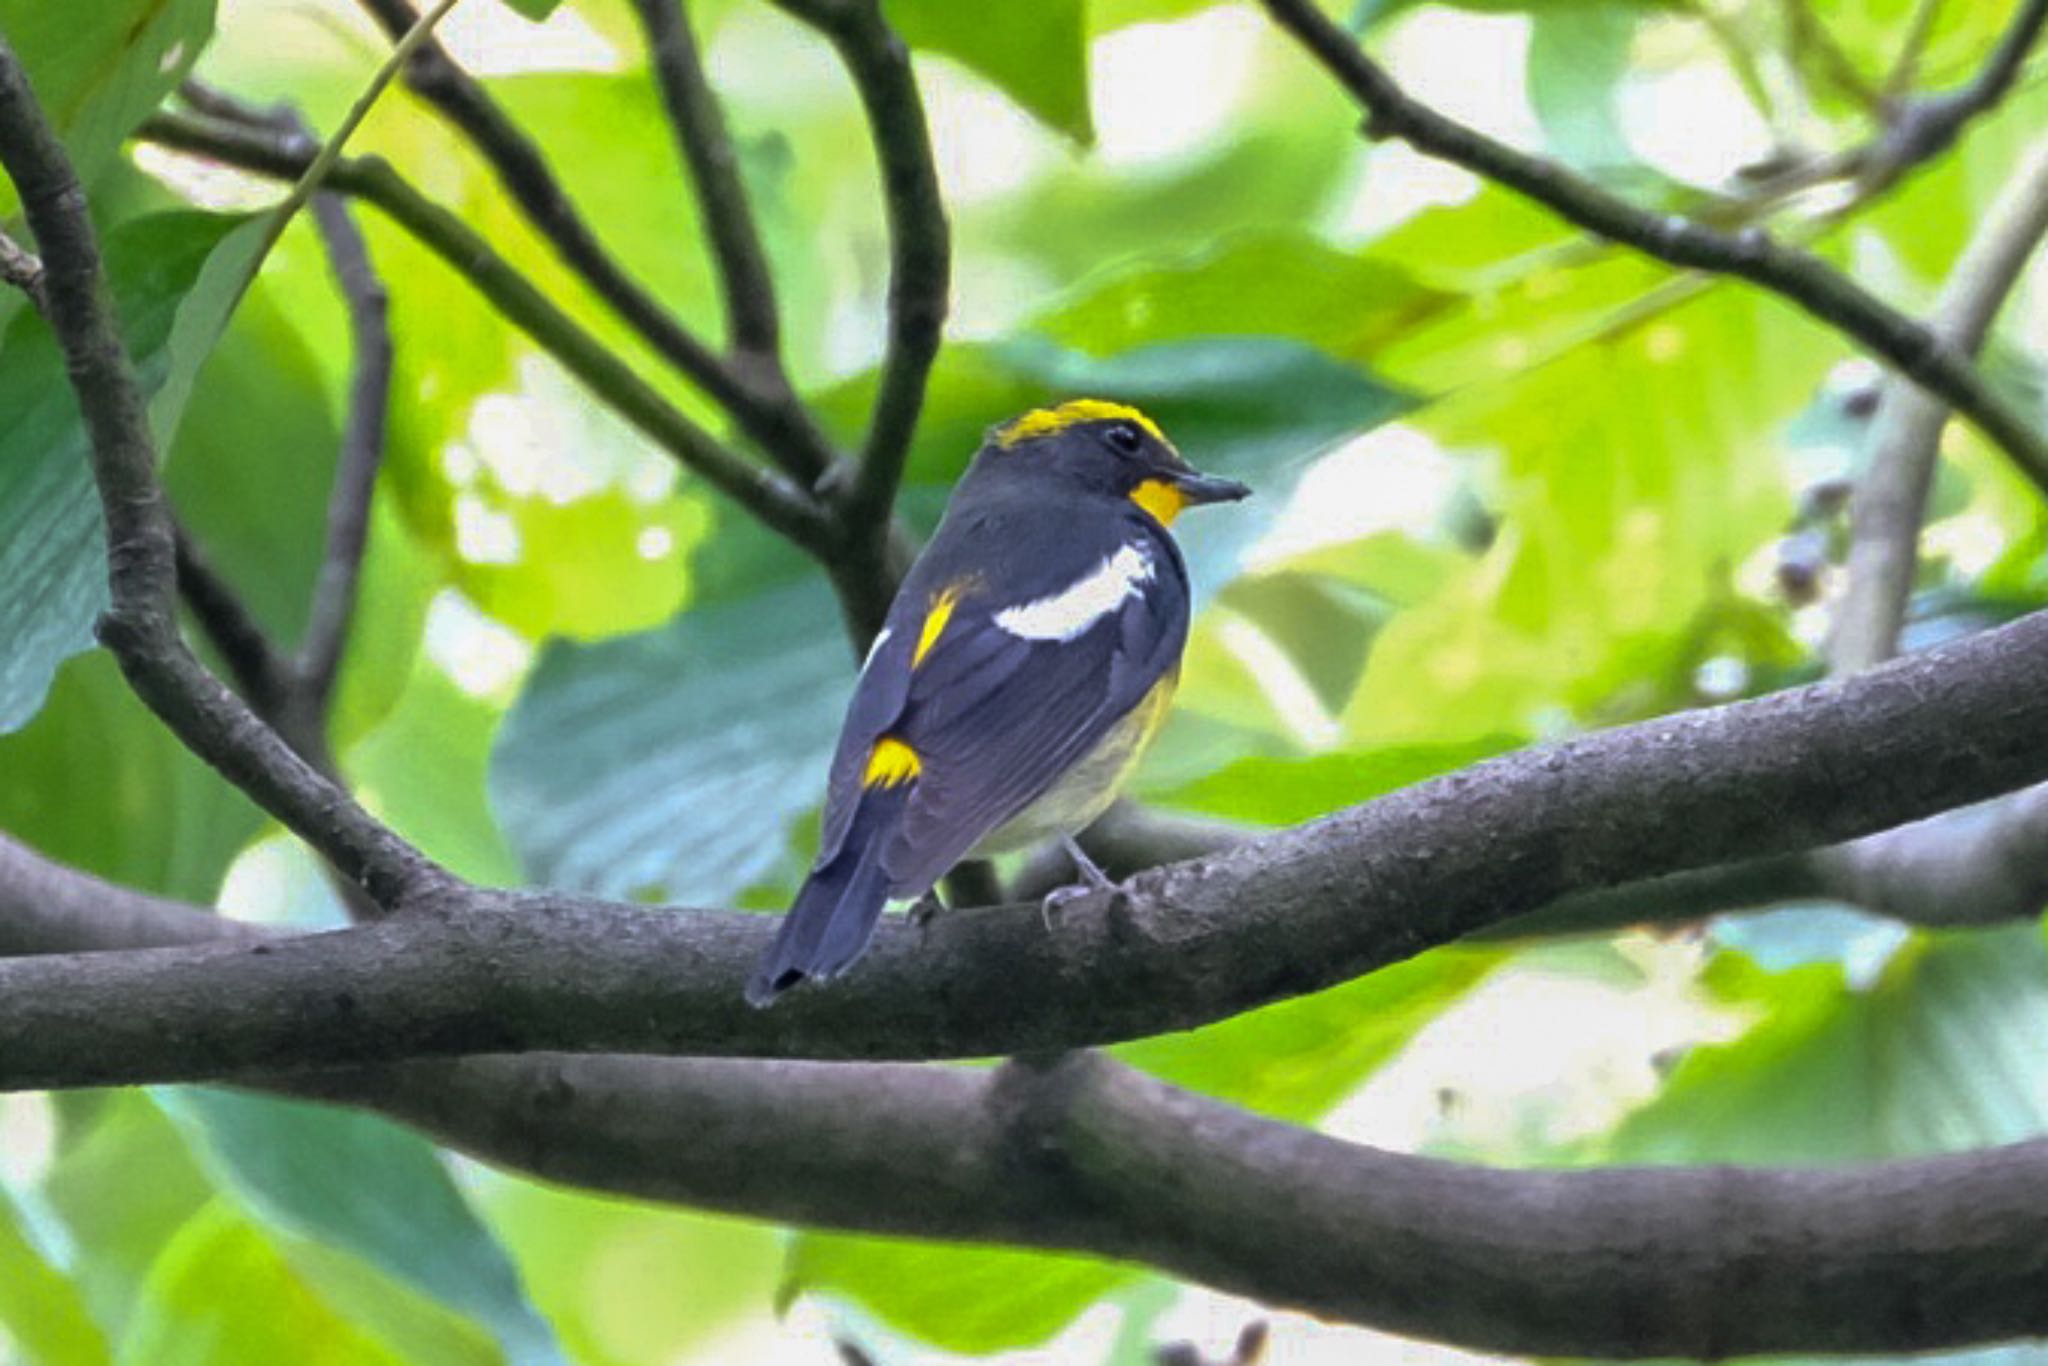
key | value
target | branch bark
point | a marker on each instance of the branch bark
(920, 256)
(1086, 1155)
(1194, 942)
(1802, 279)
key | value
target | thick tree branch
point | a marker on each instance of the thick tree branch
(920, 252)
(771, 498)
(1089, 1156)
(1290, 913)
(1805, 280)
(141, 625)
(762, 404)
(1890, 499)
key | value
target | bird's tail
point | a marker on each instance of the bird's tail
(834, 915)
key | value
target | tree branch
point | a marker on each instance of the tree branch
(1088, 1156)
(1749, 254)
(262, 674)
(1290, 913)
(772, 499)
(359, 459)
(767, 411)
(920, 252)
(707, 150)
(141, 625)
(1890, 499)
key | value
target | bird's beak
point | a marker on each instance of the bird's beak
(1197, 489)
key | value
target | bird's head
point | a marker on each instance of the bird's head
(1098, 450)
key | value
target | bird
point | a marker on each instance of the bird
(1024, 665)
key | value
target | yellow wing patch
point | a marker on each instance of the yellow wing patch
(935, 620)
(1049, 421)
(1161, 499)
(891, 763)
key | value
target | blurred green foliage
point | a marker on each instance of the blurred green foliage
(1513, 484)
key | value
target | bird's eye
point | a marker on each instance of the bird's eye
(1123, 438)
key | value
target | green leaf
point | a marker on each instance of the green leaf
(627, 1283)
(41, 1310)
(222, 1295)
(362, 1185)
(98, 782)
(253, 461)
(535, 10)
(1034, 51)
(100, 68)
(1279, 283)
(669, 765)
(1940, 1056)
(1281, 791)
(1578, 56)
(955, 1296)
(51, 545)
(423, 771)
(1635, 474)
(118, 1142)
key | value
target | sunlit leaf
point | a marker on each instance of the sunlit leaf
(222, 1294)
(359, 1184)
(41, 1310)
(1034, 51)
(99, 69)
(97, 781)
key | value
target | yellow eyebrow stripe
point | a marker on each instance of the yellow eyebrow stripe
(891, 763)
(935, 620)
(1049, 421)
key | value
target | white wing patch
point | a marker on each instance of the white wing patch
(881, 639)
(1071, 611)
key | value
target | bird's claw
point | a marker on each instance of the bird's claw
(925, 910)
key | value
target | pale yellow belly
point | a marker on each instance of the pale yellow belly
(1085, 791)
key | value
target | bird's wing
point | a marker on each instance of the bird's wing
(1017, 689)
(878, 700)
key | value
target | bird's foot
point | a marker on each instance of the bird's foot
(1094, 882)
(925, 910)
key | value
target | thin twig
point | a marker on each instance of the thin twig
(20, 268)
(1750, 254)
(774, 500)
(1906, 66)
(765, 409)
(360, 457)
(920, 251)
(260, 672)
(707, 150)
(1806, 33)
(1924, 127)
(1890, 500)
(140, 626)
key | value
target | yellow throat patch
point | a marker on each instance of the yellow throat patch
(1050, 421)
(1161, 499)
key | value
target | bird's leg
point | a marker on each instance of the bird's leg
(926, 909)
(1093, 881)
